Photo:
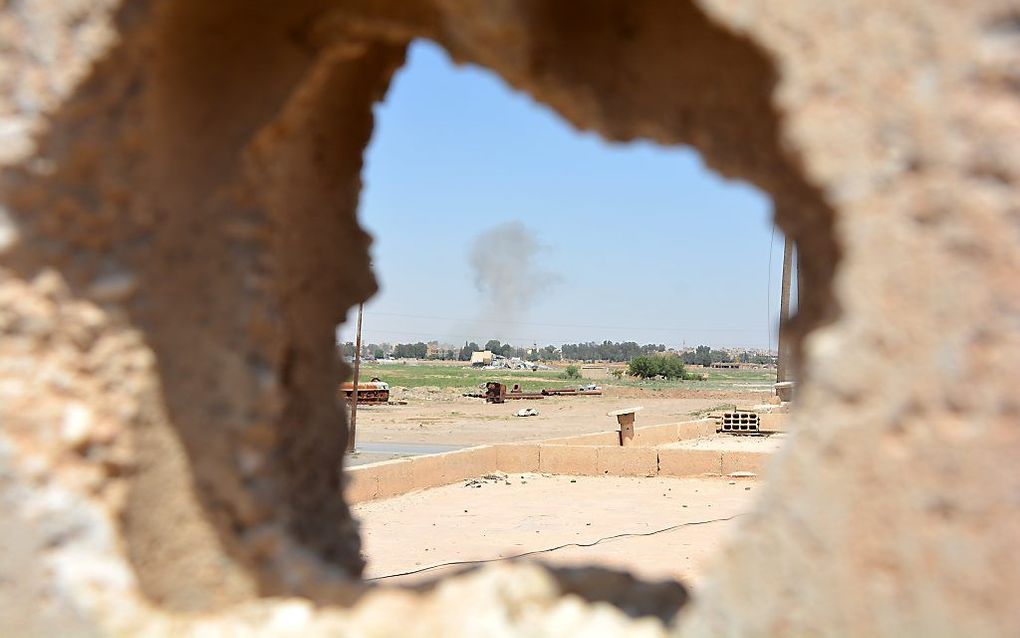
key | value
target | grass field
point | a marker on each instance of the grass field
(466, 378)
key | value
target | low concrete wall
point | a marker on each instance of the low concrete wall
(578, 457)
(627, 461)
(773, 421)
(393, 478)
(680, 462)
(598, 438)
(517, 457)
(581, 460)
(647, 435)
(699, 429)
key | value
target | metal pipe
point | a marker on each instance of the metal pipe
(783, 364)
(352, 432)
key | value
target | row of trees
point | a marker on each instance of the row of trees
(588, 351)
(607, 351)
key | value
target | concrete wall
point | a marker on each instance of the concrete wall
(393, 478)
(178, 241)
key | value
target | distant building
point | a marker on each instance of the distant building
(433, 350)
(481, 358)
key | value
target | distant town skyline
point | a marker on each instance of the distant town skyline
(594, 241)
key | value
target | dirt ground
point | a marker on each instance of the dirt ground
(530, 512)
(445, 419)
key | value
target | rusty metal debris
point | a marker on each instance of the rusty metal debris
(496, 392)
(374, 392)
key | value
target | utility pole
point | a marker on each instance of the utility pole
(783, 364)
(352, 431)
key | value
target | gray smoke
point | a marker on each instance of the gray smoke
(505, 261)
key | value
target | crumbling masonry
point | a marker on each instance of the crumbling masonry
(178, 186)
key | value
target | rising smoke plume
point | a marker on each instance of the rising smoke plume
(505, 262)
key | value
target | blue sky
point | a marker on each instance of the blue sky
(644, 243)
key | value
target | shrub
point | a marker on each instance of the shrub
(643, 366)
(668, 366)
(572, 372)
(617, 373)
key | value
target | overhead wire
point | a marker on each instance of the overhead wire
(554, 325)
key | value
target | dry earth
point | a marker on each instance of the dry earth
(529, 512)
(443, 418)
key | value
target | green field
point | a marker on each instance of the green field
(467, 379)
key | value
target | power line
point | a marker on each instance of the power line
(558, 547)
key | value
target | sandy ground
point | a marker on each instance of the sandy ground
(534, 512)
(447, 420)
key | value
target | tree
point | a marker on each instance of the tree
(467, 350)
(671, 367)
(550, 353)
(419, 350)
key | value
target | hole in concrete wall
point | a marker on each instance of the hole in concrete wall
(198, 190)
(631, 235)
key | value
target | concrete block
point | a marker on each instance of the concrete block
(773, 421)
(656, 435)
(627, 461)
(434, 470)
(598, 438)
(568, 459)
(695, 429)
(428, 471)
(515, 458)
(745, 462)
(378, 480)
(393, 478)
(359, 485)
(681, 462)
(470, 463)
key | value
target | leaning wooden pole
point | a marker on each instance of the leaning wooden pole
(352, 431)
(783, 364)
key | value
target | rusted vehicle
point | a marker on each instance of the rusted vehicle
(369, 392)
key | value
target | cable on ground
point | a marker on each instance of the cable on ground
(558, 547)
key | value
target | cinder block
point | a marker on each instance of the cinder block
(627, 461)
(695, 429)
(745, 462)
(681, 462)
(515, 458)
(568, 459)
